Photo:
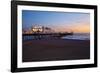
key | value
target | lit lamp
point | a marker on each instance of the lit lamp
(34, 30)
(40, 30)
(37, 29)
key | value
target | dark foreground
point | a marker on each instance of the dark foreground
(50, 50)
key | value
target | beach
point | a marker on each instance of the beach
(55, 49)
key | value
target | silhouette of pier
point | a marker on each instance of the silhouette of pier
(41, 32)
(48, 35)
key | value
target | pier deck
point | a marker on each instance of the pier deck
(49, 34)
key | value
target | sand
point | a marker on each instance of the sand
(55, 49)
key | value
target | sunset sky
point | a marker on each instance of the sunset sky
(59, 21)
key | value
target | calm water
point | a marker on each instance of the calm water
(78, 36)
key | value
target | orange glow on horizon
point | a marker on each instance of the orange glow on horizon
(83, 29)
(77, 28)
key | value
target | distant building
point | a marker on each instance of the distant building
(37, 29)
(41, 29)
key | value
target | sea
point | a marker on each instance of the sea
(78, 36)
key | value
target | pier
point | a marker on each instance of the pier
(41, 32)
(48, 35)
